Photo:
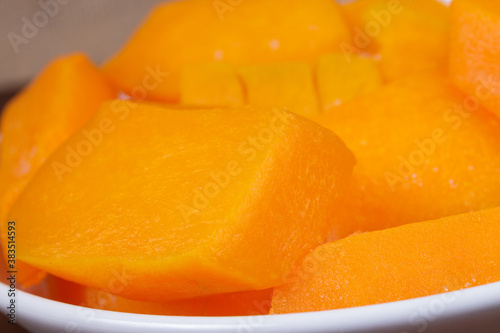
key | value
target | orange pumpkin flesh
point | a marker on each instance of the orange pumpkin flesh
(233, 304)
(37, 121)
(475, 49)
(165, 198)
(436, 153)
(411, 261)
(182, 33)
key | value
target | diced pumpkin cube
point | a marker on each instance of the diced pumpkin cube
(289, 85)
(212, 83)
(181, 33)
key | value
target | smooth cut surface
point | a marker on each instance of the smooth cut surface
(178, 213)
(406, 262)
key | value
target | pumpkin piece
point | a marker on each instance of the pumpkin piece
(215, 84)
(289, 85)
(340, 79)
(410, 36)
(424, 151)
(233, 304)
(183, 204)
(406, 262)
(475, 48)
(37, 121)
(182, 33)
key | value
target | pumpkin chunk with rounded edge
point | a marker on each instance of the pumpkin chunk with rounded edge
(183, 204)
(38, 120)
(214, 83)
(406, 262)
(435, 154)
(181, 33)
(475, 49)
(243, 303)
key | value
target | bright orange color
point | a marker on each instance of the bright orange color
(475, 49)
(424, 151)
(35, 123)
(410, 35)
(185, 32)
(233, 304)
(340, 78)
(212, 83)
(411, 261)
(289, 85)
(183, 204)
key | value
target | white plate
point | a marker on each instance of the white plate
(470, 310)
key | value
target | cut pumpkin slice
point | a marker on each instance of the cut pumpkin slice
(406, 262)
(38, 120)
(183, 204)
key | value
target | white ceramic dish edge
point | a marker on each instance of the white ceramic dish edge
(453, 310)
